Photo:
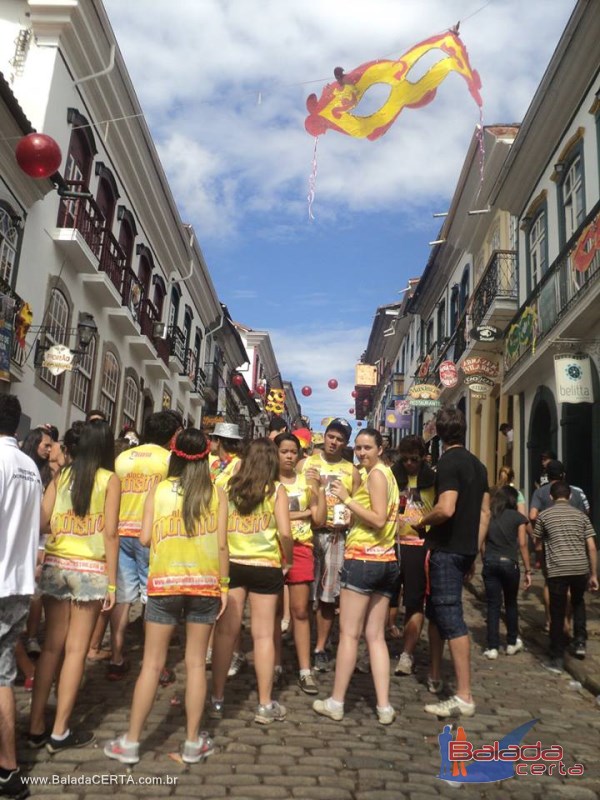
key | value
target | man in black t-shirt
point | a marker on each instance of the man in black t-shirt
(459, 522)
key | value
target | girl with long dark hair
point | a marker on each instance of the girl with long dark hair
(185, 525)
(258, 530)
(507, 535)
(80, 508)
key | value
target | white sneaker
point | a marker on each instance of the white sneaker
(386, 715)
(194, 752)
(238, 662)
(404, 665)
(322, 708)
(513, 649)
(491, 653)
(452, 707)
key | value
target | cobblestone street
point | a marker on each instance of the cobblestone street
(309, 757)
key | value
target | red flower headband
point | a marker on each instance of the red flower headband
(191, 456)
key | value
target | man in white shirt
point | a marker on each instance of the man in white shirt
(20, 501)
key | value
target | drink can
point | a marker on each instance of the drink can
(339, 515)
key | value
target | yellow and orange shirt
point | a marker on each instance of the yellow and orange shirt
(366, 543)
(181, 563)
(223, 472)
(299, 497)
(139, 469)
(253, 538)
(342, 470)
(417, 503)
(74, 542)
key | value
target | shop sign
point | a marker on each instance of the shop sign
(586, 249)
(573, 374)
(418, 402)
(58, 359)
(425, 367)
(448, 374)
(424, 391)
(485, 333)
(479, 365)
(365, 375)
(479, 384)
(209, 421)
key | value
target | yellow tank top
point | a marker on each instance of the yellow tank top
(139, 469)
(223, 476)
(414, 504)
(299, 496)
(78, 542)
(179, 563)
(343, 470)
(252, 538)
(366, 543)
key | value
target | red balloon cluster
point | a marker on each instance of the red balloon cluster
(332, 383)
(38, 155)
(306, 391)
(237, 379)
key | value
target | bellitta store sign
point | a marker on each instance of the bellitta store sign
(573, 374)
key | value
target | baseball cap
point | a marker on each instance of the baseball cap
(554, 470)
(341, 425)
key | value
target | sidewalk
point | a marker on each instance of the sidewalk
(532, 618)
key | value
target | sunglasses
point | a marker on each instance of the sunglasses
(406, 459)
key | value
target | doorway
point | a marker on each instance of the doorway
(543, 430)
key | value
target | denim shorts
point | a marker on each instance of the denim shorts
(370, 577)
(13, 615)
(171, 609)
(444, 605)
(71, 584)
(132, 573)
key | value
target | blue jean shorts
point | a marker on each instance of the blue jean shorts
(132, 573)
(13, 615)
(71, 584)
(444, 605)
(171, 609)
(370, 577)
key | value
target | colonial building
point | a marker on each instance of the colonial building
(106, 263)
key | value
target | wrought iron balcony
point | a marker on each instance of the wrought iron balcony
(499, 283)
(179, 351)
(83, 214)
(113, 261)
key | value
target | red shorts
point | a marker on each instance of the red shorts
(303, 569)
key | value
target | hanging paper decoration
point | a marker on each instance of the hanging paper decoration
(38, 155)
(587, 246)
(326, 420)
(333, 110)
(304, 436)
(23, 322)
(306, 391)
(275, 401)
(332, 383)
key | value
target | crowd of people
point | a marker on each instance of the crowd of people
(196, 527)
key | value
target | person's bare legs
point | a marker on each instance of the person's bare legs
(436, 651)
(58, 613)
(119, 620)
(8, 752)
(226, 632)
(379, 656)
(460, 650)
(325, 616)
(262, 622)
(196, 645)
(300, 616)
(353, 610)
(277, 633)
(81, 625)
(156, 644)
(95, 652)
(413, 625)
(24, 663)
(35, 616)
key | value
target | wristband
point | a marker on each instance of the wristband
(224, 589)
(347, 501)
(111, 588)
(224, 581)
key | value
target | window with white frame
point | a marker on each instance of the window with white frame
(8, 245)
(82, 379)
(572, 197)
(538, 258)
(131, 396)
(110, 386)
(56, 324)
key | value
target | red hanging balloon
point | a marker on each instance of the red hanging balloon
(351, 411)
(306, 391)
(359, 424)
(237, 379)
(38, 155)
(332, 383)
(260, 388)
(250, 393)
(354, 394)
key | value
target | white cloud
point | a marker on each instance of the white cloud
(313, 356)
(231, 159)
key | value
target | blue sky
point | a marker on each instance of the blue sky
(223, 85)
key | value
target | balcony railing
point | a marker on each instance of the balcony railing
(575, 271)
(178, 347)
(18, 353)
(451, 349)
(83, 214)
(214, 376)
(498, 282)
(132, 296)
(113, 261)
(198, 377)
